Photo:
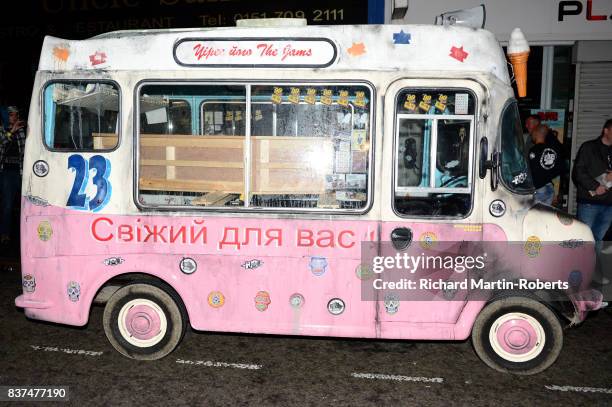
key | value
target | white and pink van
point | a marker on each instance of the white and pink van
(227, 180)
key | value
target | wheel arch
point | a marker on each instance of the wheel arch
(558, 301)
(130, 277)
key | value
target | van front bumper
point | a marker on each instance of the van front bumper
(586, 301)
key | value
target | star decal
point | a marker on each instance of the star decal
(357, 49)
(61, 53)
(97, 58)
(458, 53)
(401, 37)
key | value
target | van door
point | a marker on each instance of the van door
(430, 206)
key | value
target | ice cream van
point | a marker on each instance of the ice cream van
(229, 179)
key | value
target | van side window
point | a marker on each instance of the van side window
(433, 152)
(81, 116)
(317, 155)
(305, 146)
(185, 169)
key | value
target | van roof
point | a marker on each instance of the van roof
(419, 48)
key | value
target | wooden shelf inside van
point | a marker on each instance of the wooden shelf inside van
(207, 164)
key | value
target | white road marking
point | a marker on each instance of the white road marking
(397, 378)
(209, 363)
(66, 350)
(580, 389)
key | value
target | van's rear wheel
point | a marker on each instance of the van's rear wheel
(517, 335)
(144, 321)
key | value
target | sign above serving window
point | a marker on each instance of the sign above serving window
(256, 52)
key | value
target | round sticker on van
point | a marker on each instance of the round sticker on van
(40, 168)
(364, 272)
(216, 299)
(335, 306)
(497, 208)
(296, 300)
(428, 239)
(188, 265)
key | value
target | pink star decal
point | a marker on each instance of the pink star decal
(97, 58)
(458, 53)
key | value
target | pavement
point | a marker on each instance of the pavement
(212, 369)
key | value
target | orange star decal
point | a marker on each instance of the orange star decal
(61, 53)
(357, 49)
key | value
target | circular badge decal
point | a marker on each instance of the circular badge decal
(188, 265)
(335, 306)
(364, 272)
(428, 239)
(262, 300)
(497, 208)
(40, 168)
(45, 231)
(216, 299)
(296, 300)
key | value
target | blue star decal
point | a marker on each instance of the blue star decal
(401, 38)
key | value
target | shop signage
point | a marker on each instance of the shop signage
(544, 22)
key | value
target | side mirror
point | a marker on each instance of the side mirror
(485, 164)
(484, 154)
(493, 164)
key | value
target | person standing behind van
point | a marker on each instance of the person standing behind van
(545, 162)
(531, 123)
(593, 178)
(12, 143)
(3, 118)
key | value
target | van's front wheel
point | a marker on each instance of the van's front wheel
(144, 321)
(517, 335)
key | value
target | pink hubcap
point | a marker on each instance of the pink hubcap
(142, 322)
(517, 336)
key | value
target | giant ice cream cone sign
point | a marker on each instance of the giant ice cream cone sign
(518, 54)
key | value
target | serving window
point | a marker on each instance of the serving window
(434, 152)
(257, 146)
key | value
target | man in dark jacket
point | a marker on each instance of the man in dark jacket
(593, 178)
(12, 143)
(546, 163)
